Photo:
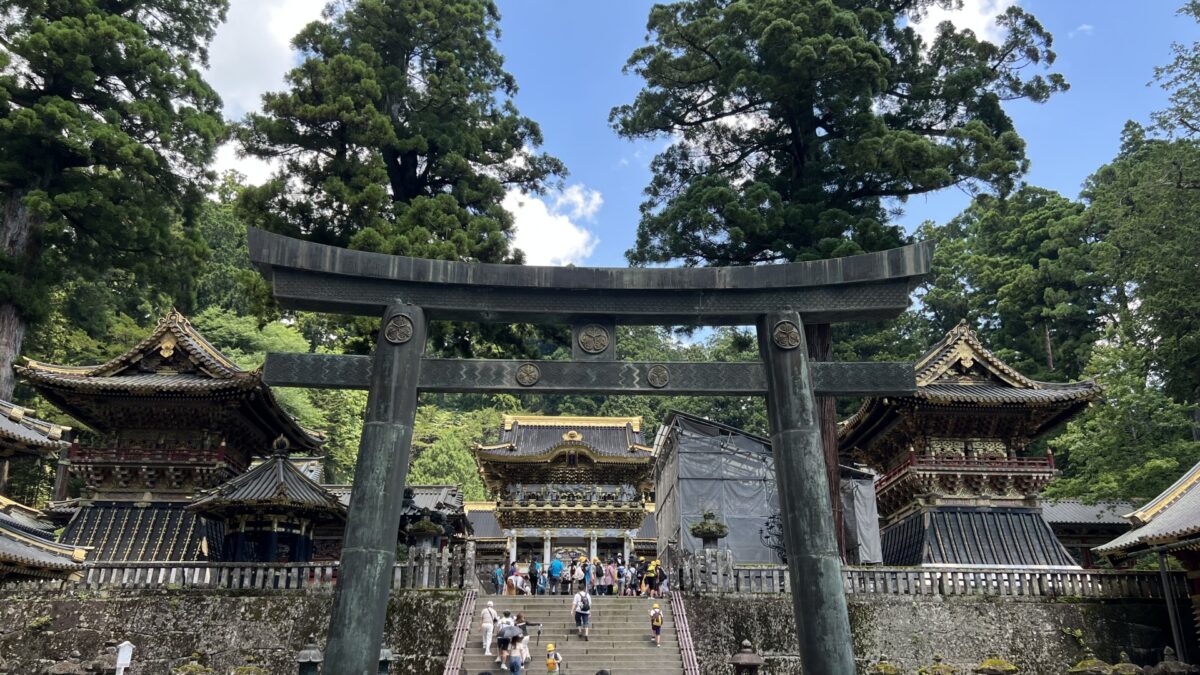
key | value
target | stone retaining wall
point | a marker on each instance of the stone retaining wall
(166, 625)
(1039, 635)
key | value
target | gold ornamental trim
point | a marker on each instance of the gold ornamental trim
(571, 421)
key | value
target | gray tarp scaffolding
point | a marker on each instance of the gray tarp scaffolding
(708, 466)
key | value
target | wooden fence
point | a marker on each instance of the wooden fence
(423, 569)
(715, 572)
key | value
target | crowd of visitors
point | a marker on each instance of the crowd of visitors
(580, 578)
(614, 577)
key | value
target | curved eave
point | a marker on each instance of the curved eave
(222, 508)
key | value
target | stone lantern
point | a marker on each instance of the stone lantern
(1090, 665)
(1171, 665)
(994, 665)
(310, 658)
(1126, 667)
(746, 661)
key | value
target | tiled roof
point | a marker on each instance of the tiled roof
(530, 436)
(484, 524)
(1075, 512)
(174, 360)
(124, 531)
(24, 553)
(446, 499)
(277, 483)
(959, 370)
(1011, 537)
(1166, 519)
(23, 518)
(21, 432)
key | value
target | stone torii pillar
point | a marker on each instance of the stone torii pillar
(814, 565)
(369, 548)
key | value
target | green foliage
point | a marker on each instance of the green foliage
(1149, 198)
(796, 120)
(1136, 443)
(442, 441)
(398, 134)
(1031, 269)
(106, 125)
(1181, 79)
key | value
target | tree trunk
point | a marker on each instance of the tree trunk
(1049, 347)
(15, 235)
(820, 348)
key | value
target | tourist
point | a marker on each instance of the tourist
(610, 576)
(498, 578)
(578, 575)
(520, 623)
(630, 579)
(597, 577)
(514, 662)
(652, 579)
(521, 650)
(516, 584)
(620, 576)
(662, 580)
(534, 572)
(656, 622)
(504, 636)
(553, 660)
(581, 604)
(488, 623)
(556, 570)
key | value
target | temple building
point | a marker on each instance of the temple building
(169, 418)
(1081, 527)
(960, 484)
(567, 486)
(1168, 525)
(24, 437)
(271, 512)
(28, 548)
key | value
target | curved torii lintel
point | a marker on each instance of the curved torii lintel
(318, 277)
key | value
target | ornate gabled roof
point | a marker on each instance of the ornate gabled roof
(174, 361)
(1170, 517)
(543, 437)
(23, 433)
(25, 518)
(961, 369)
(276, 484)
(959, 372)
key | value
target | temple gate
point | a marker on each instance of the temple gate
(409, 292)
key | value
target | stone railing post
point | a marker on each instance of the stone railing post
(470, 578)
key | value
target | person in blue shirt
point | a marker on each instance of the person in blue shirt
(556, 570)
(498, 578)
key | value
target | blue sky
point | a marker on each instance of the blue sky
(567, 59)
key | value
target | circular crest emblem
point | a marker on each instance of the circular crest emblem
(786, 335)
(399, 329)
(528, 374)
(593, 339)
(658, 376)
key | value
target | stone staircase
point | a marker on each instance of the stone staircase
(620, 641)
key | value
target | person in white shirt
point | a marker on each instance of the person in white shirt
(489, 620)
(581, 604)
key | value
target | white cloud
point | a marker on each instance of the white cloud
(252, 49)
(255, 170)
(545, 227)
(977, 15)
(582, 203)
(1082, 29)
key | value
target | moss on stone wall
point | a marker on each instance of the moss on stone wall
(166, 626)
(1034, 633)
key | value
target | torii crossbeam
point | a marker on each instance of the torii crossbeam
(409, 292)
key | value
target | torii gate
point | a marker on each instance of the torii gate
(409, 292)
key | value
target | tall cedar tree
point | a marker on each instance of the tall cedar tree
(398, 134)
(106, 126)
(795, 121)
(1032, 270)
(1181, 79)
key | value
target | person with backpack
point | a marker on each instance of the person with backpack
(581, 604)
(498, 578)
(619, 577)
(556, 570)
(508, 633)
(488, 623)
(579, 575)
(553, 660)
(656, 622)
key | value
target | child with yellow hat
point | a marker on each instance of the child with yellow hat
(656, 622)
(553, 659)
